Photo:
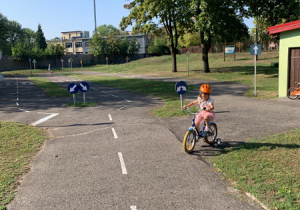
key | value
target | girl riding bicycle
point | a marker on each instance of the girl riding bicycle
(206, 105)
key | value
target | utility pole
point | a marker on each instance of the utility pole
(95, 16)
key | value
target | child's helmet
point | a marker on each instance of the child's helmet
(205, 88)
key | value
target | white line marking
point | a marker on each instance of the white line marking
(23, 110)
(31, 83)
(44, 119)
(124, 171)
(23, 83)
(133, 208)
(114, 96)
(109, 117)
(17, 99)
(122, 107)
(114, 132)
(127, 100)
(104, 92)
(17, 103)
(94, 88)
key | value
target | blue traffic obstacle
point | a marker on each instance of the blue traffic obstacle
(84, 87)
(73, 88)
(181, 87)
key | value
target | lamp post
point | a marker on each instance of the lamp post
(95, 16)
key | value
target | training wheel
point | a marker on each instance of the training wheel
(218, 141)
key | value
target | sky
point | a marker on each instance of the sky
(56, 16)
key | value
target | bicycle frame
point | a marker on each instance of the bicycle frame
(194, 127)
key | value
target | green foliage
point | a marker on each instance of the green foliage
(159, 46)
(54, 51)
(16, 32)
(107, 30)
(113, 45)
(272, 11)
(189, 40)
(133, 47)
(173, 15)
(40, 38)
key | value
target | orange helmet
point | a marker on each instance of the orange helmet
(205, 88)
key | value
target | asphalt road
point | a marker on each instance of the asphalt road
(116, 155)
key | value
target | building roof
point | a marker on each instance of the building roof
(275, 30)
(70, 31)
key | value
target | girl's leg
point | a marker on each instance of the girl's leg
(207, 123)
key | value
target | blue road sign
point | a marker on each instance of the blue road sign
(29, 59)
(255, 49)
(84, 86)
(181, 87)
(73, 88)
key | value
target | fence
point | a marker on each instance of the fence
(239, 47)
(7, 63)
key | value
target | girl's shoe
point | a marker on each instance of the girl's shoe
(206, 129)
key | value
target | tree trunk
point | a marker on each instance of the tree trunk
(205, 48)
(173, 54)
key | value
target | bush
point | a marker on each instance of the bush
(159, 46)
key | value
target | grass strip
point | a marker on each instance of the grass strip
(81, 104)
(18, 145)
(163, 90)
(268, 168)
(50, 88)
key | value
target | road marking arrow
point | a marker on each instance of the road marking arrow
(83, 87)
(255, 50)
(72, 89)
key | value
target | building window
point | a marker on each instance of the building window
(87, 44)
(69, 45)
(78, 44)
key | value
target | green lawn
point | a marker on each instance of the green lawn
(163, 90)
(268, 168)
(18, 145)
(50, 88)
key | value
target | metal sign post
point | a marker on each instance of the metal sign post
(34, 62)
(127, 59)
(188, 53)
(106, 62)
(255, 49)
(62, 65)
(69, 65)
(84, 87)
(71, 60)
(73, 88)
(30, 66)
(81, 65)
(181, 89)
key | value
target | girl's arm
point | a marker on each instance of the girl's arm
(210, 108)
(190, 104)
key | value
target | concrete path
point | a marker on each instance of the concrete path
(117, 156)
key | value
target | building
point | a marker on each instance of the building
(77, 42)
(289, 55)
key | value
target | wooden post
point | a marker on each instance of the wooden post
(240, 47)
(234, 50)
(224, 50)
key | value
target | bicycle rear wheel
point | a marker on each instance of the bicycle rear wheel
(189, 141)
(291, 94)
(212, 135)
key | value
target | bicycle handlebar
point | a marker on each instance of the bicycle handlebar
(194, 113)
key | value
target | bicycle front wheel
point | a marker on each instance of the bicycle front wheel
(291, 94)
(212, 134)
(189, 141)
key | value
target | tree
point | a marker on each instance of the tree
(98, 45)
(272, 11)
(3, 30)
(133, 47)
(262, 27)
(54, 51)
(222, 24)
(172, 16)
(189, 39)
(106, 30)
(40, 38)
(159, 46)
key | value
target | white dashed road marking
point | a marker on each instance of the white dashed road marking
(114, 96)
(127, 100)
(122, 107)
(133, 208)
(44, 119)
(124, 171)
(109, 116)
(114, 132)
